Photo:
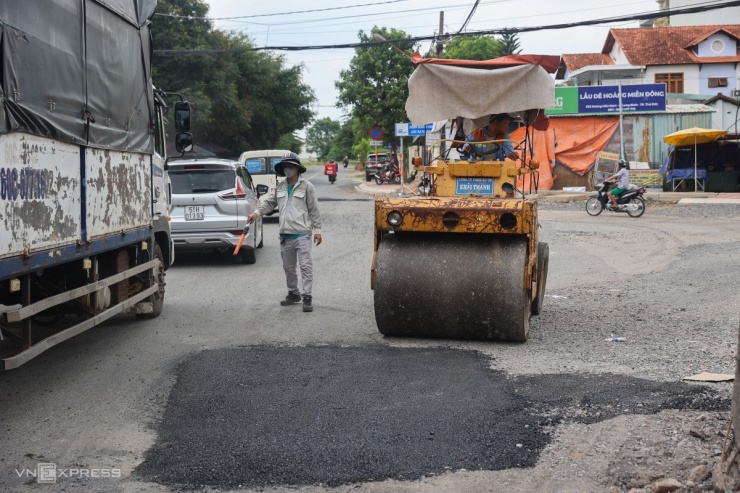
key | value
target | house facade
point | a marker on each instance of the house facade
(688, 59)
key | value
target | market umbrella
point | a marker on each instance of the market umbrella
(694, 135)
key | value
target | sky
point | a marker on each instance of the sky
(416, 18)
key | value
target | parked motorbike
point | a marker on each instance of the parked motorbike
(330, 169)
(630, 201)
(388, 174)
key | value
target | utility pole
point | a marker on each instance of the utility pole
(440, 46)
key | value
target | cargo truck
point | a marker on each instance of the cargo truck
(84, 232)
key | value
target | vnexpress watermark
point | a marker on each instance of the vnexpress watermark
(48, 472)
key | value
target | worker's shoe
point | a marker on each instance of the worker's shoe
(291, 299)
(307, 306)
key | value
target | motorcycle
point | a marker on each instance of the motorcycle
(389, 174)
(330, 169)
(631, 202)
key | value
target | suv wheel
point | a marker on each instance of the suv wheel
(368, 177)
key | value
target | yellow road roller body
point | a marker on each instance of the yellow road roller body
(462, 259)
(459, 264)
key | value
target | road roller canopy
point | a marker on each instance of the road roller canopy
(441, 89)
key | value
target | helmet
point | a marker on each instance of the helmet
(289, 158)
(331, 160)
(621, 163)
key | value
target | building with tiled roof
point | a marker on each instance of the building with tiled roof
(689, 59)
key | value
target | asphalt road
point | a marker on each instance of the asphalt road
(227, 389)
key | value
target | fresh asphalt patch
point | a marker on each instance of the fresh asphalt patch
(265, 416)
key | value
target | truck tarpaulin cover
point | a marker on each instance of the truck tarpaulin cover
(75, 58)
(445, 89)
(572, 142)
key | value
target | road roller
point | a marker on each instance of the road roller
(461, 259)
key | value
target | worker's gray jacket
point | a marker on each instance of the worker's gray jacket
(299, 213)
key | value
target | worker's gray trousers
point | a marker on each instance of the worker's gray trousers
(297, 252)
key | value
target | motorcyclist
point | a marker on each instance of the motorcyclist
(330, 169)
(622, 178)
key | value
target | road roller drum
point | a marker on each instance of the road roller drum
(461, 286)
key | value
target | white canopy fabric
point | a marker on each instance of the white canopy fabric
(441, 92)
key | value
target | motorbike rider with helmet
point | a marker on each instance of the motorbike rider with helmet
(330, 169)
(296, 199)
(622, 177)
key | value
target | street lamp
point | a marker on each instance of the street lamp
(378, 37)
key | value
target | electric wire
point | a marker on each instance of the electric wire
(470, 16)
(498, 31)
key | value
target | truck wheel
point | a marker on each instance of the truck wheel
(157, 299)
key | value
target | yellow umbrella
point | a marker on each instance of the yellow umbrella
(694, 135)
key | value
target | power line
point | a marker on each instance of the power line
(279, 13)
(510, 30)
(470, 16)
(498, 19)
(366, 15)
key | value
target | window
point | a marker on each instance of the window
(245, 177)
(673, 82)
(717, 46)
(256, 166)
(718, 82)
(201, 181)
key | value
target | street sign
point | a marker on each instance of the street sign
(408, 130)
(376, 133)
(376, 143)
(612, 156)
(605, 99)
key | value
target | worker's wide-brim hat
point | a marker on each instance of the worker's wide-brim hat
(280, 166)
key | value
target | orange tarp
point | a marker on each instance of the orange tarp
(573, 142)
(548, 62)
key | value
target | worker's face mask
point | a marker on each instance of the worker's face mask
(290, 171)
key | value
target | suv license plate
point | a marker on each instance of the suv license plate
(194, 213)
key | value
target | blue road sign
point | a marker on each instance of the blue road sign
(635, 97)
(408, 130)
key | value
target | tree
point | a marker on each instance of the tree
(375, 87)
(343, 141)
(290, 142)
(320, 137)
(241, 101)
(475, 47)
(362, 149)
(510, 44)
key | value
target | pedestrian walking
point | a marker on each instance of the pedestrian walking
(295, 198)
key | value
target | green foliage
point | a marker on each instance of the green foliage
(320, 136)
(375, 87)
(240, 101)
(510, 44)
(290, 142)
(362, 149)
(342, 144)
(473, 48)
